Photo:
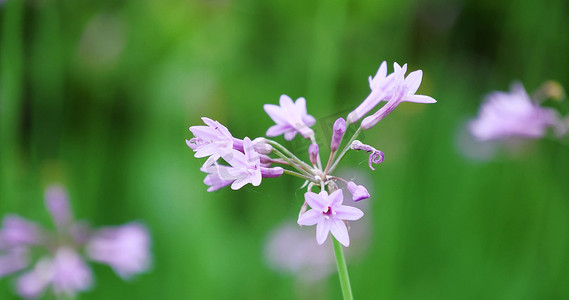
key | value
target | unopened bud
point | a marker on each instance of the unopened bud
(313, 153)
(359, 192)
(271, 172)
(338, 132)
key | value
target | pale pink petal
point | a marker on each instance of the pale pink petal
(204, 132)
(207, 150)
(239, 183)
(209, 122)
(413, 81)
(336, 198)
(286, 102)
(277, 129)
(322, 230)
(256, 178)
(275, 112)
(310, 217)
(316, 201)
(289, 135)
(419, 99)
(308, 120)
(348, 213)
(340, 232)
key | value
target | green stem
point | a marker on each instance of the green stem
(293, 173)
(287, 159)
(287, 152)
(342, 270)
(345, 150)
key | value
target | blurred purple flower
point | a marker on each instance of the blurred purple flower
(212, 140)
(328, 214)
(295, 251)
(290, 118)
(125, 248)
(514, 114)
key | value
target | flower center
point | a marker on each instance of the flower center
(328, 212)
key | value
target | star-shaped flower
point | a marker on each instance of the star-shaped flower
(328, 214)
(290, 118)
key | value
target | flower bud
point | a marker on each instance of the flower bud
(271, 172)
(313, 153)
(375, 156)
(359, 192)
(338, 132)
(259, 145)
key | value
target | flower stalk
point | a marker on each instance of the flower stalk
(342, 270)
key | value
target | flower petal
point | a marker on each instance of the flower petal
(309, 218)
(419, 99)
(348, 213)
(413, 81)
(278, 129)
(289, 135)
(316, 201)
(322, 229)
(275, 112)
(340, 232)
(239, 183)
(336, 198)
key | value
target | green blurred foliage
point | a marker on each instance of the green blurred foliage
(98, 95)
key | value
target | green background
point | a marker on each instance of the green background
(99, 95)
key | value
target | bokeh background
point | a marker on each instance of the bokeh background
(99, 95)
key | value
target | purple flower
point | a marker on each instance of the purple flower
(504, 115)
(392, 87)
(328, 214)
(245, 168)
(212, 140)
(338, 131)
(124, 248)
(359, 192)
(290, 118)
(375, 156)
(62, 267)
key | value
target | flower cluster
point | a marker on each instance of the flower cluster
(62, 255)
(249, 161)
(515, 114)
